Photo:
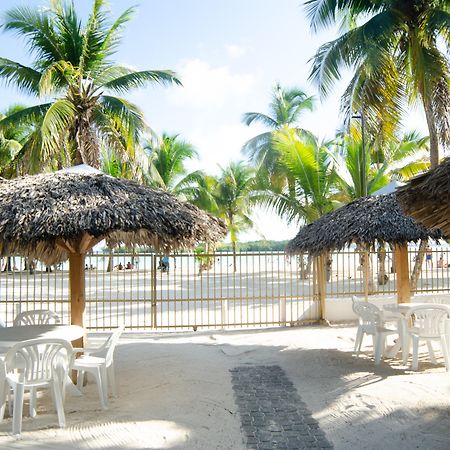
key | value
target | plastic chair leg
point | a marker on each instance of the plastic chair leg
(431, 352)
(33, 395)
(379, 340)
(358, 340)
(57, 395)
(18, 408)
(112, 380)
(444, 345)
(104, 378)
(4, 387)
(415, 361)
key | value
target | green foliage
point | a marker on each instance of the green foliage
(254, 246)
(394, 49)
(71, 63)
(166, 164)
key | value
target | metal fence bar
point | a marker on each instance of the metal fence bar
(204, 291)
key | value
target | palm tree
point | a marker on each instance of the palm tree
(166, 164)
(394, 49)
(232, 199)
(11, 140)
(309, 165)
(398, 159)
(285, 109)
(72, 67)
(311, 192)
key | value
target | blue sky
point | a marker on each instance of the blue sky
(228, 54)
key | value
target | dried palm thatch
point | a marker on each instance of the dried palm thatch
(427, 197)
(48, 216)
(365, 221)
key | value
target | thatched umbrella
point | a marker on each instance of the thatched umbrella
(427, 197)
(365, 221)
(58, 216)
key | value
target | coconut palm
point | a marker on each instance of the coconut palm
(285, 109)
(398, 159)
(232, 199)
(72, 67)
(308, 163)
(394, 49)
(12, 138)
(166, 164)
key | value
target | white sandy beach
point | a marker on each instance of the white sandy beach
(175, 392)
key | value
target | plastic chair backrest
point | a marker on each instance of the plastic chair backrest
(368, 313)
(37, 359)
(428, 320)
(36, 317)
(111, 343)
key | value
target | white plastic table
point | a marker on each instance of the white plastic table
(12, 335)
(403, 309)
(9, 336)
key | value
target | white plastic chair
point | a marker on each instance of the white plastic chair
(371, 322)
(100, 363)
(429, 323)
(33, 364)
(36, 317)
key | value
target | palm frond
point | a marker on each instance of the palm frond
(250, 117)
(57, 120)
(30, 115)
(25, 78)
(141, 79)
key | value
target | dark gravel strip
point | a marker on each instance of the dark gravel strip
(273, 416)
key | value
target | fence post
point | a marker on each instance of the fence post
(224, 308)
(153, 279)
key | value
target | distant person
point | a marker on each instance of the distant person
(441, 264)
(429, 256)
(129, 266)
(165, 263)
(120, 266)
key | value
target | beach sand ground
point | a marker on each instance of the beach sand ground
(175, 392)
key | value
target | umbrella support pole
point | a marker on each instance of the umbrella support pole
(321, 283)
(402, 267)
(77, 291)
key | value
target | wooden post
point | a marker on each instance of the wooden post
(321, 283)
(77, 291)
(402, 267)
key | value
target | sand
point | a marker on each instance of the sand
(174, 392)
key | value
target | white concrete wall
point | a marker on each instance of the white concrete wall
(340, 309)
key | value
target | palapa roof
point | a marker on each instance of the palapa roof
(363, 221)
(427, 197)
(39, 212)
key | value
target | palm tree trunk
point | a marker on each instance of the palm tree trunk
(382, 275)
(432, 131)
(418, 265)
(110, 261)
(233, 246)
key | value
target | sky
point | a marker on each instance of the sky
(228, 55)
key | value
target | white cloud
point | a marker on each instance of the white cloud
(220, 145)
(209, 87)
(235, 51)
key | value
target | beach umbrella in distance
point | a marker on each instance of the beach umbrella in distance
(426, 197)
(62, 215)
(365, 221)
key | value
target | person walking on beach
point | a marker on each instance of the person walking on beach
(429, 256)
